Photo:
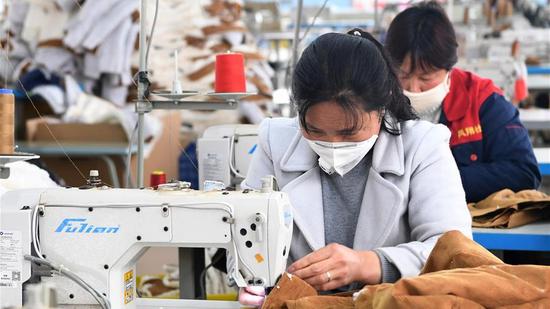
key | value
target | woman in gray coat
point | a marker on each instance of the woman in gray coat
(372, 188)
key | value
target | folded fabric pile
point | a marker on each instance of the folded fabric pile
(77, 56)
(506, 209)
(458, 274)
(48, 44)
(94, 41)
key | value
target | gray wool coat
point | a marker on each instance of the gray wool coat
(413, 193)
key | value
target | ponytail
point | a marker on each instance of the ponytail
(399, 105)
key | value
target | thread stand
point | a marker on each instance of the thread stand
(143, 105)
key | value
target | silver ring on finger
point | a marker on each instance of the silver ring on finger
(329, 277)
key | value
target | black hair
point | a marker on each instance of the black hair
(353, 70)
(425, 33)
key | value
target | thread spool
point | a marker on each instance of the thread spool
(6, 121)
(157, 178)
(230, 73)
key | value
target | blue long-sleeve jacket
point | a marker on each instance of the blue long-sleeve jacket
(488, 141)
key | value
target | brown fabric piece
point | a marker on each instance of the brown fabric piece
(326, 302)
(288, 288)
(384, 299)
(491, 286)
(507, 209)
(533, 60)
(543, 303)
(154, 287)
(506, 199)
(454, 250)
(221, 47)
(51, 43)
(292, 292)
(459, 273)
(210, 30)
(135, 16)
(195, 41)
(528, 215)
(227, 11)
(202, 57)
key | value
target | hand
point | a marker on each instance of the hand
(252, 296)
(342, 264)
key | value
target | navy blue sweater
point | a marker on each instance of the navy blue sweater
(488, 141)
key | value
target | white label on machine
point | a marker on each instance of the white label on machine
(11, 263)
(214, 167)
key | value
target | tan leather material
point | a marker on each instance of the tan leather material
(507, 209)
(288, 288)
(315, 302)
(491, 286)
(458, 274)
(454, 250)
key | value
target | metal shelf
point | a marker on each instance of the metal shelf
(11, 158)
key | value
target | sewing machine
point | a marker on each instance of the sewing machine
(99, 234)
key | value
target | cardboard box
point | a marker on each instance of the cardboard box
(76, 132)
(163, 156)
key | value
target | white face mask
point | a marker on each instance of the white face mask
(428, 101)
(341, 157)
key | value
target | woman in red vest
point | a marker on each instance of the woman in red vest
(489, 143)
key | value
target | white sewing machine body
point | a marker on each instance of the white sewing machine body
(100, 234)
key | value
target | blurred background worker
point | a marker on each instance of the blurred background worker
(488, 141)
